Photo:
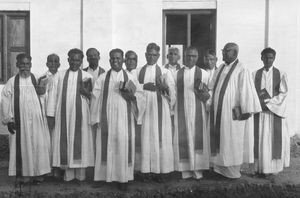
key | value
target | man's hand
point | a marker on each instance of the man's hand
(150, 87)
(85, 89)
(11, 127)
(40, 89)
(51, 122)
(162, 87)
(128, 96)
(202, 95)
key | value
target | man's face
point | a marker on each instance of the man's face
(53, 64)
(75, 61)
(24, 66)
(152, 56)
(191, 57)
(173, 56)
(268, 59)
(210, 61)
(93, 57)
(116, 61)
(229, 54)
(131, 62)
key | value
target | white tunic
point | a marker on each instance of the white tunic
(154, 158)
(277, 105)
(197, 161)
(116, 166)
(94, 73)
(54, 110)
(235, 142)
(34, 131)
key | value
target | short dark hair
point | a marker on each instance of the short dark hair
(210, 52)
(23, 55)
(190, 48)
(53, 54)
(75, 51)
(152, 46)
(92, 48)
(130, 52)
(116, 50)
(268, 50)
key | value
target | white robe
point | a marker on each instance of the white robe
(34, 131)
(153, 158)
(94, 73)
(277, 105)
(173, 71)
(197, 161)
(54, 110)
(236, 144)
(116, 167)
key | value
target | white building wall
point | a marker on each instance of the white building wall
(284, 37)
(131, 24)
(54, 28)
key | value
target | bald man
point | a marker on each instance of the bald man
(234, 100)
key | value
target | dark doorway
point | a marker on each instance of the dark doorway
(183, 28)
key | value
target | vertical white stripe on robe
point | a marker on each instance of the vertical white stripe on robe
(116, 168)
(234, 133)
(153, 158)
(277, 105)
(54, 110)
(34, 131)
(197, 161)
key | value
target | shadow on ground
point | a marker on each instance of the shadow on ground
(285, 184)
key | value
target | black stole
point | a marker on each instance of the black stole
(215, 124)
(277, 123)
(104, 125)
(182, 130)
(159, 97)
(18, 121)
(78, 131)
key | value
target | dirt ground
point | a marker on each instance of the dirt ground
(285, 184)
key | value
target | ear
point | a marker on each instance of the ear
(262, 58)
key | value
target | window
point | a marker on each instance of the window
(183, 28)
(14, 35)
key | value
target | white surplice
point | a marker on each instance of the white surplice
(34, 131)
(236, 139)
(116, 167)
(94, 73)
(196, 161)
(154, 158)
(277, 105)
(54, 110)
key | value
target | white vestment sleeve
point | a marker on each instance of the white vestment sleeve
(7, 111)
(52, 96)
(96, 100)
(171, 84)
(277, 104)
(249, 100)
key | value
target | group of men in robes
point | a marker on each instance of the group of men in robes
(153, 120)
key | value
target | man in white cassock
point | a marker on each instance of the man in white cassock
(111, 110)
(271, 135)
(191, 138)
(53, 63)
(69, 115)
(156, 154)
(22, 113)
(234, 100)
(93, 57)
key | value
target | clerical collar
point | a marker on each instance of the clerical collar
(186, 67)
(93, 69)
(151, 65)
(229, 65)
(268, 69)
